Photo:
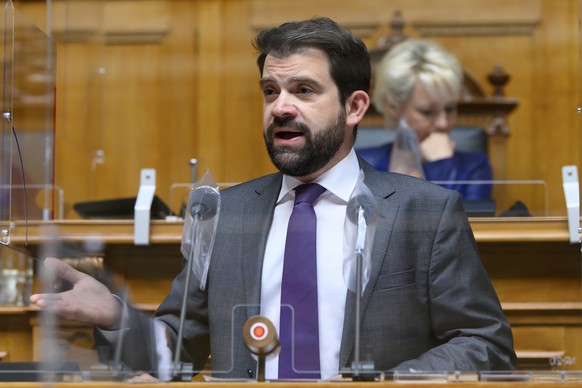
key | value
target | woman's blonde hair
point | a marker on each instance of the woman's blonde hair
(416, 59)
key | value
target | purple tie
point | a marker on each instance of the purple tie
(299, 331)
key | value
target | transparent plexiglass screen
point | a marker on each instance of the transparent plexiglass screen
(28, 93)
(521, 228)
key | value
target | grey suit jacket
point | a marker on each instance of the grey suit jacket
(429, 304)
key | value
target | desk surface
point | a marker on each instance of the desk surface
(525, 229)
(390, 384)
(539, 294)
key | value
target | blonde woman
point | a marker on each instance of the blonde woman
(417, 87)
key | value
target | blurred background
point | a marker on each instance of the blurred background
(154, 83)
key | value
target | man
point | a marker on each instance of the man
(428, 305)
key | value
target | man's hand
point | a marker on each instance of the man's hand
(88, 300)
(437, 146)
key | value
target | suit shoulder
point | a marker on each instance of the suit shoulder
(252, 187)
(406, 186)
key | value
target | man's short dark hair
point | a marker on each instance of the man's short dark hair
(349, 61)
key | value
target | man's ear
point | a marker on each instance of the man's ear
(356, 106)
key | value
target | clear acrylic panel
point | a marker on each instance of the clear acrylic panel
(7, 109)
(522, 243)
(28, 121)
(509, 198)
(27, 188)
(33, 122)
(178, 197)
(87, 102)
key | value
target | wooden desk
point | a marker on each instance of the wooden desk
(536, 271)
(511, 229)
(303, 384)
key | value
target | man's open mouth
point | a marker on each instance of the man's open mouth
(288, 135)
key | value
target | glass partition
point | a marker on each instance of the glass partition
(28, 141)
(27, 187)
(506, 198)
(79, 28)
(137, 93)
(7, 109)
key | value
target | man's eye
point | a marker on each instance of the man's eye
(450, 109)
(268, 91)
(304, 90)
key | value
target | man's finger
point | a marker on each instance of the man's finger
(63, 270)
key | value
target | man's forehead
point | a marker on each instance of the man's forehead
(307, 61)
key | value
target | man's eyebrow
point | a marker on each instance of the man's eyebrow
(305, 79)
(265, 80)
(298, 79)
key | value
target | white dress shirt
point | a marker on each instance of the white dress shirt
(330, 208)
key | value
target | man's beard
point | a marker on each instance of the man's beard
(317, 151)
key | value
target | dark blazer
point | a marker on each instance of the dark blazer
(429, 304)
(462, 166)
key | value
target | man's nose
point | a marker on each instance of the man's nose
(284, 105)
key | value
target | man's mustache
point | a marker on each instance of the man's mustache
(290, 123)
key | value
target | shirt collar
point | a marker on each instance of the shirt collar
(340, 180)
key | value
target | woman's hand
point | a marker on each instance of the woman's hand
(437, 146)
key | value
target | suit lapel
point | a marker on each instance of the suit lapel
(380, 186)
(256, 221)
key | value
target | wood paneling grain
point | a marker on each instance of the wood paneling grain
(192, 91)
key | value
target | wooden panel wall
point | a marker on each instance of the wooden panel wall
(153, 83)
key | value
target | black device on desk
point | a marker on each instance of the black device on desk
(479, 207)
(119, 209)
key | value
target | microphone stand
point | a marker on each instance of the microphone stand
(185, 371)
(203, 204)
(118, 365)
(360, 367)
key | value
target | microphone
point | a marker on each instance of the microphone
(260, 338)
(203, 202)
(361, 212)
(200, 221)
(197, 242)
(260, 335)
(365, 202)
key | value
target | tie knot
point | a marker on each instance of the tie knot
(308, 193)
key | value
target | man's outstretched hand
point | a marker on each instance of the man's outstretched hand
(88, 300)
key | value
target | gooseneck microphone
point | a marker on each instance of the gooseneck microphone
(199, 221)
(199, 231)
(203, 202)
(365, 203)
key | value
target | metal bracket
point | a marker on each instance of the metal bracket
(572, 194)
(143, 205)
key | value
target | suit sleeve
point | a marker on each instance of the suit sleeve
(137, 349)
(466, 316)
(195, 341)
(133, 346)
